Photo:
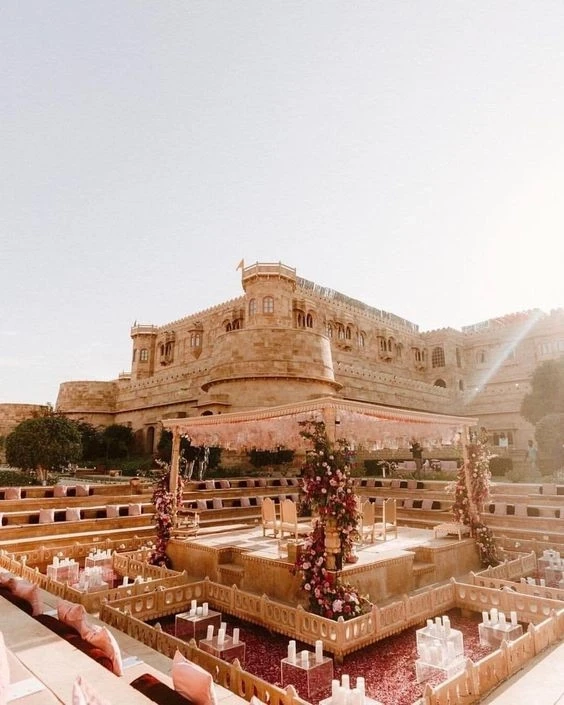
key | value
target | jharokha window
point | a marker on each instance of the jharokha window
(143, 355)
(438, 357)
(252, 307)
(268, 304)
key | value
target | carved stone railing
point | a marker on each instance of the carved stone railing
(478, 679)
(228, 675)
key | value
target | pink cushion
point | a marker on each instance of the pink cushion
(82, 490)
(30, 593)
(103, 639)
(245, 502)
(72, 514)
(224, 484)
(192, 681)
(84, 694)
(4, 672)
(46, 516)
(13, 493)
(217, 503)
(134, 510)
(112, 511)
(72, 614)
(60, 491)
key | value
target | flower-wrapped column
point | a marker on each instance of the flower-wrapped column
(329, 491)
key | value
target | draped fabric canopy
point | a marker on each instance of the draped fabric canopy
(368, 425)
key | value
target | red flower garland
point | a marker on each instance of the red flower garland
(329, 491)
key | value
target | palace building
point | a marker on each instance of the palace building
(287, 340)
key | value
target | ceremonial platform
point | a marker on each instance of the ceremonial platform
(384, 569)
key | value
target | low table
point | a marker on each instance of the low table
(311, 679)
(493, 634)
(187, 626)
(228, 650)
(451, 528)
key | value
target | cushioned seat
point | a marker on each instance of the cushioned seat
(157, 691)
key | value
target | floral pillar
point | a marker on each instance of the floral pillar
(174, 464)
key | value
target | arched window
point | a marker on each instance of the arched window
(143, 355)
(461, 385)
(348, 333)
(195, 340)
(236, 325)
(329, 330)
(399, 351)
(438, 357)
(309, 321)
(227, 326)
(361, 340)
(252, 307)
(300, 319)
(268, 304)
(440, 383)
(481, 357)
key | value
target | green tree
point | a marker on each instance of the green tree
(117, 440)
(44, 443)
(92, 443)
(547, 392)
(549, 434)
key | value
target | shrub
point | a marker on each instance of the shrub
(500, 465)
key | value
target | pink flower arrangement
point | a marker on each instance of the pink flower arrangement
(329, 491)
(165, 503)
(471, 491)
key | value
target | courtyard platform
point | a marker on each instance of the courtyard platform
(385, 569)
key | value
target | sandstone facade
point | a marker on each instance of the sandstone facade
(286, 339)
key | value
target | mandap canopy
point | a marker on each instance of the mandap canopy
(368, 425)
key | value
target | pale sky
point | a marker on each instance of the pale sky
(405, 153)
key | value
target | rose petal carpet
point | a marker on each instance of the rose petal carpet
(388, 666)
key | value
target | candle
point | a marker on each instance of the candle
(361, 686)
(223, 625)
(543, 582)
(199, 611)
(292, 651)
(493, 615)
(502, 618)
(485, 618)
(346, 681)
(193, 605)
(335, 685)
(318, 651)
(342, 696)
(56, 561)
(305, 658)
(430, 625)
(513, 616)
(125, 580)
(354, 697)
(220, 637)
(446, 625)
(205, 609)
(236, 635)
(210, 632)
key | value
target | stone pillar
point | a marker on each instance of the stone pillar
(332, 545)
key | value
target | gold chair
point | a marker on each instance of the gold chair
(268, 516)
(289, 519)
